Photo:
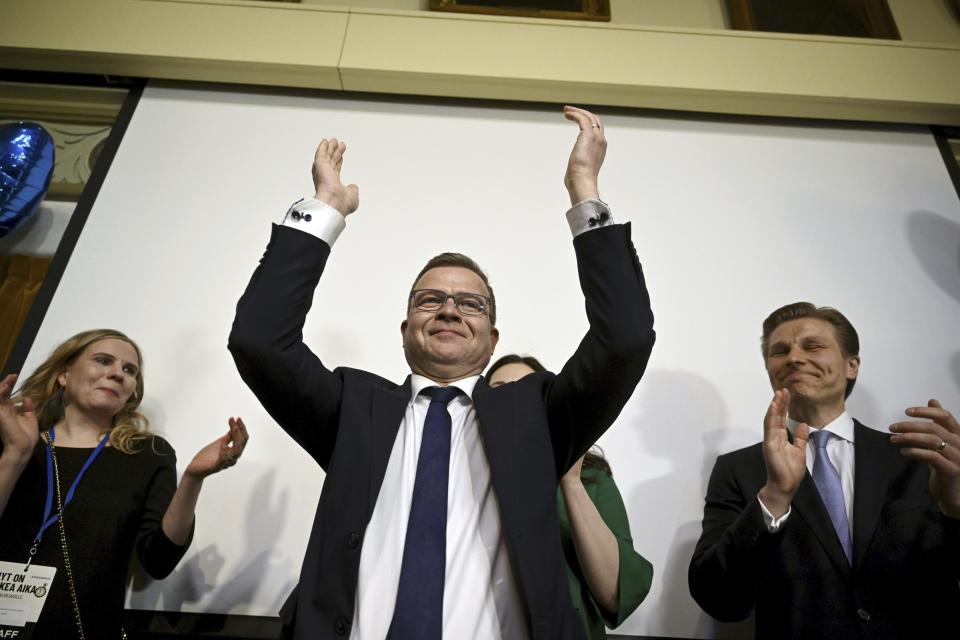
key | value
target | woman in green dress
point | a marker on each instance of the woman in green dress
(608, 579)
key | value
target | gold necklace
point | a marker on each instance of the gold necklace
(63, 537)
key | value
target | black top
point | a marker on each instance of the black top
(118, 505)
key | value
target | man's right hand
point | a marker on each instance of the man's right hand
(326, 178)
(786, 461)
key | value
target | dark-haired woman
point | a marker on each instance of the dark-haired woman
(608, 579)
(84, 483)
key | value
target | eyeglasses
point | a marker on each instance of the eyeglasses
(432, 300)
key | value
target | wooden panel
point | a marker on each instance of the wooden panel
(220, 41)
(698, 70)
(65, 103)
(442, 54)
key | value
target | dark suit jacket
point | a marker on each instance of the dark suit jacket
(906, 554)
(348, 419)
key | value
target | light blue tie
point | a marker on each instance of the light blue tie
(827, 479)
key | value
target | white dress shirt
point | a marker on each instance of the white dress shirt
(480, 598)
(840, 452)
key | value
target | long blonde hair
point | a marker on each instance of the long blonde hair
(130, 427)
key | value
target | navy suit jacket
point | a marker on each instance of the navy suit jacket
(906, 554)
(348, 419)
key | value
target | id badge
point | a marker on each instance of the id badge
(22, 594)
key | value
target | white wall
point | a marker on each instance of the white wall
(731, 220)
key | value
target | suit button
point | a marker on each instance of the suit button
(341, 626)
(863, 614)
(353, 540)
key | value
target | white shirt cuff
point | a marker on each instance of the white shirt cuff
(316, 218)
(773, 524)
(588, 215)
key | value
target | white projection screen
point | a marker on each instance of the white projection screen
(731, 219)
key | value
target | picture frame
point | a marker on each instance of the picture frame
(594, 10)
(850, 18)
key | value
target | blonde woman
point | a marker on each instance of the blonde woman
(84, 483)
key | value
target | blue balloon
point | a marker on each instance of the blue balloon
(26, 166)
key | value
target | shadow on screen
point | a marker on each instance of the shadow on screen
(681, 418)
(955, 368)
(200, 575)
(935, 241)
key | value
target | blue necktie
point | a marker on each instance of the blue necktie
(418, 614)
(827, 479)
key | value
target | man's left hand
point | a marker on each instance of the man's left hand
(935, 440)
(583, 168)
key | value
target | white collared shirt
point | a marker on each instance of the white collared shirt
(481, 597)
(840, 451)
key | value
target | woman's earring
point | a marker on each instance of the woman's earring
(57, 402)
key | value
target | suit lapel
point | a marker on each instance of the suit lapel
(387, 409)
(501, 443)
(810, 506)
(874, 459)
(489, 412)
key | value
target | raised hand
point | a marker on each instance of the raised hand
(934, 439)
(327, 163)
(221, 453)
(786, 461)
(583, 168)
(18, 428)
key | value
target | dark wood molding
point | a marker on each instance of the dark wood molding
(948, 143)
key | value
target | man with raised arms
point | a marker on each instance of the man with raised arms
(437, 515)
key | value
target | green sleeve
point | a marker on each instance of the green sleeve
(636, 572)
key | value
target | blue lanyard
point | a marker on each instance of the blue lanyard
(48, 505)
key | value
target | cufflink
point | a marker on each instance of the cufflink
(292, 212)
(600, 219)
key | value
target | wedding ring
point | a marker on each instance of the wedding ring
(595, 125)
(943, 445)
